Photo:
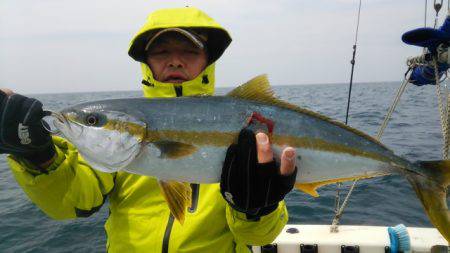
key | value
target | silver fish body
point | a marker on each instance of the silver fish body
(222, 117)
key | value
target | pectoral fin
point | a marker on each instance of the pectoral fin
(174, 150)
(178, 197)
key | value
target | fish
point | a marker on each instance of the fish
(184, 140)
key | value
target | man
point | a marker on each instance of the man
(177, 49)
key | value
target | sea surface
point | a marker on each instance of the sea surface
(414, 132)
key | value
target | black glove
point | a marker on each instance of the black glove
(251, 187)
(21, 131)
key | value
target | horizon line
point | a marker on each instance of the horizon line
(217, 87)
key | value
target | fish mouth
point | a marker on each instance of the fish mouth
(58, 119)
(64, 125)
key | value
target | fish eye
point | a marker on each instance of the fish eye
(92, 120)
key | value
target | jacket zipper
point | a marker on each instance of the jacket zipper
(165, 246)
(178, 90)
(195, 191)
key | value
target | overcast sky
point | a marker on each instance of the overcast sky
(68, 46)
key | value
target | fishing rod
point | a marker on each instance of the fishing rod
(338, 209)
(353, 63)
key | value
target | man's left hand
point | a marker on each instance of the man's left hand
(252, 181)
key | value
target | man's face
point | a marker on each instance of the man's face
(175, 59)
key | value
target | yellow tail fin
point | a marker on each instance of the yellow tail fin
(432, 192)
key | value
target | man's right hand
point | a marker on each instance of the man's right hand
(21, 131)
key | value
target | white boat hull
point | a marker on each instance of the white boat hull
(369, 239)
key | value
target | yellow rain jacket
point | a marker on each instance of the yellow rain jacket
(139, 219)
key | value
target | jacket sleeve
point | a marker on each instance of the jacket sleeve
(260, 232)
(70, 189)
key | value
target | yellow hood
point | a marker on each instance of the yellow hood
(188, 17)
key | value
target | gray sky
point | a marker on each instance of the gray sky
(68, 46)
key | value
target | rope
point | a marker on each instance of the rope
(448, 96)
(448, 121)
(417, 61)
(337, 199)
(393, 106)
(442, 111)
(337, 217)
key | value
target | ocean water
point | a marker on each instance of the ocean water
(414, 132)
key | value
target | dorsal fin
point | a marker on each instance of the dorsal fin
(258, 89)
